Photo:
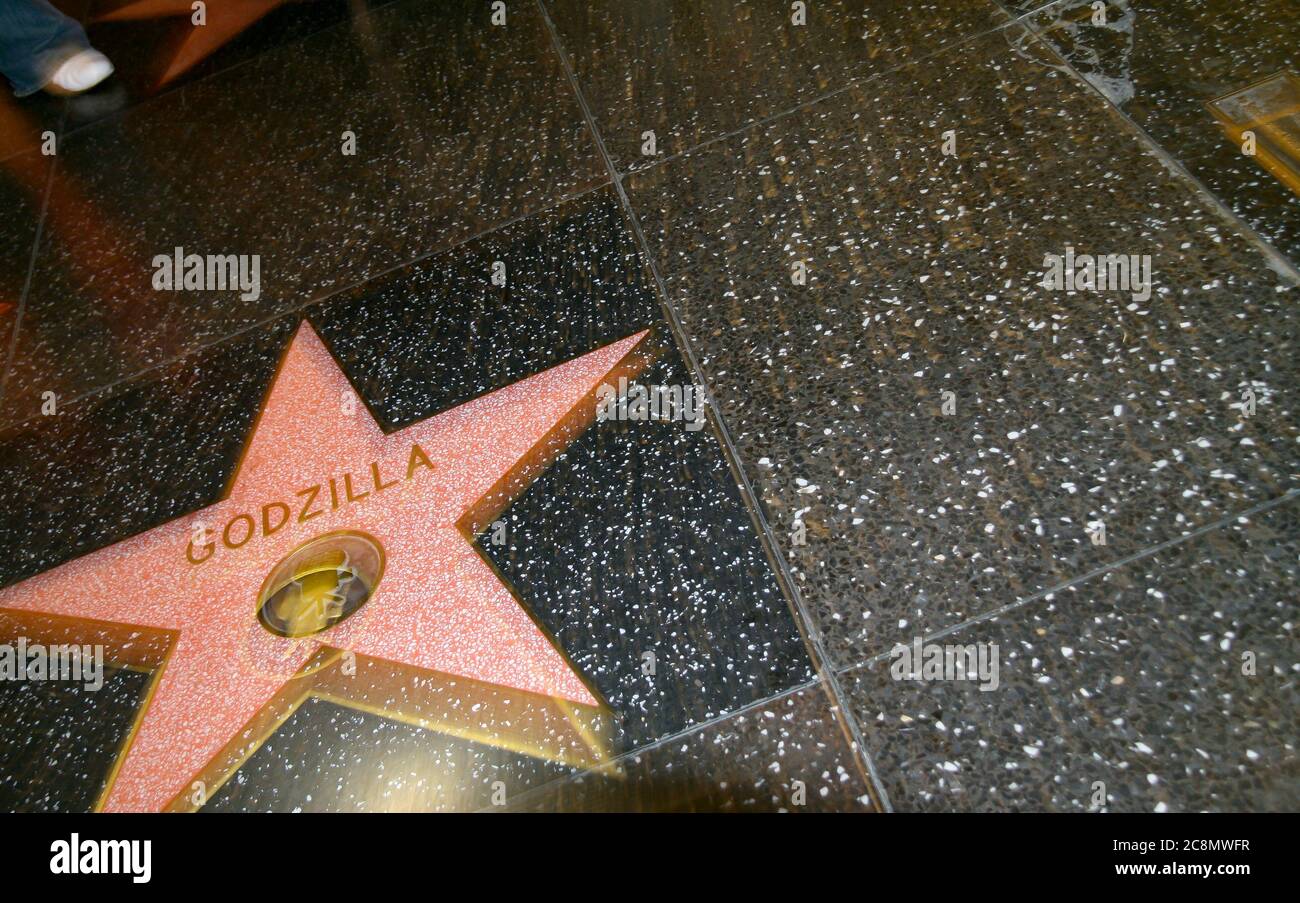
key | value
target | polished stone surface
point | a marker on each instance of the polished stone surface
(61, 739)
(634, 543)
(448, 144)
(932, 435)
(1068, 408)
(330, 758)
(155, 47)
(1161, 62)
(1136, 679)
(755, 761)
(440, 332)
(23, 177)
(98, 471)
(690, 72)
(748, 762)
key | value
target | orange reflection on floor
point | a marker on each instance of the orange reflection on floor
(224, 20)
(99, 252)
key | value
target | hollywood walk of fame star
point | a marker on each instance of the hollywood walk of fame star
(440, 618)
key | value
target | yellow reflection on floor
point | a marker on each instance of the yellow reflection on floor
(1263, 119)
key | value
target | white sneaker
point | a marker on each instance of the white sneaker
(80, 73)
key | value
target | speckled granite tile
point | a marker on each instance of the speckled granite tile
(459, 126)
(638, 525)
(61, 739)
(23, 178)
(924, 272)
(748, 763)
(439, 332)
(636, 543)
(633, 543)
(1135, 679)
(692, 71)
(1160, 62)
(330, 758)
(97, 471)
(786, 755)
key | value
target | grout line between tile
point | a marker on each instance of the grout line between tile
(852, 82)
(300, 307)
(31, 260)
(813, 638)
(676, 736)
(97, 390)
(1279, 262)
(1098, 571)
(1083, 578)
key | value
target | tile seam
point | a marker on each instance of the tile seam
(299, 308)
(1099, 571)
(813, 639)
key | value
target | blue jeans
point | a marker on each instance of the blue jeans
(35, 39)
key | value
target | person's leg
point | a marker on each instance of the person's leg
(35, 41)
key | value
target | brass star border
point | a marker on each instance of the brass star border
(443, 644)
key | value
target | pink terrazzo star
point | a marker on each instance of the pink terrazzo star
(439, 605)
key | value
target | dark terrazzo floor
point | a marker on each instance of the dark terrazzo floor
(1069, 408)
(388, 767)
(689, 72)
(1161, 62)
(40, 772)
(891, 514)
(635, 541)
(235, 162)
(1139, 678)
(785, 755)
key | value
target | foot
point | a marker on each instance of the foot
(80, 73)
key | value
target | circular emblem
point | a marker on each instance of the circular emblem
(320, 584)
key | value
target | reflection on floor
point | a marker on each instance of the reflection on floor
(842, 223)
(1161, 63)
